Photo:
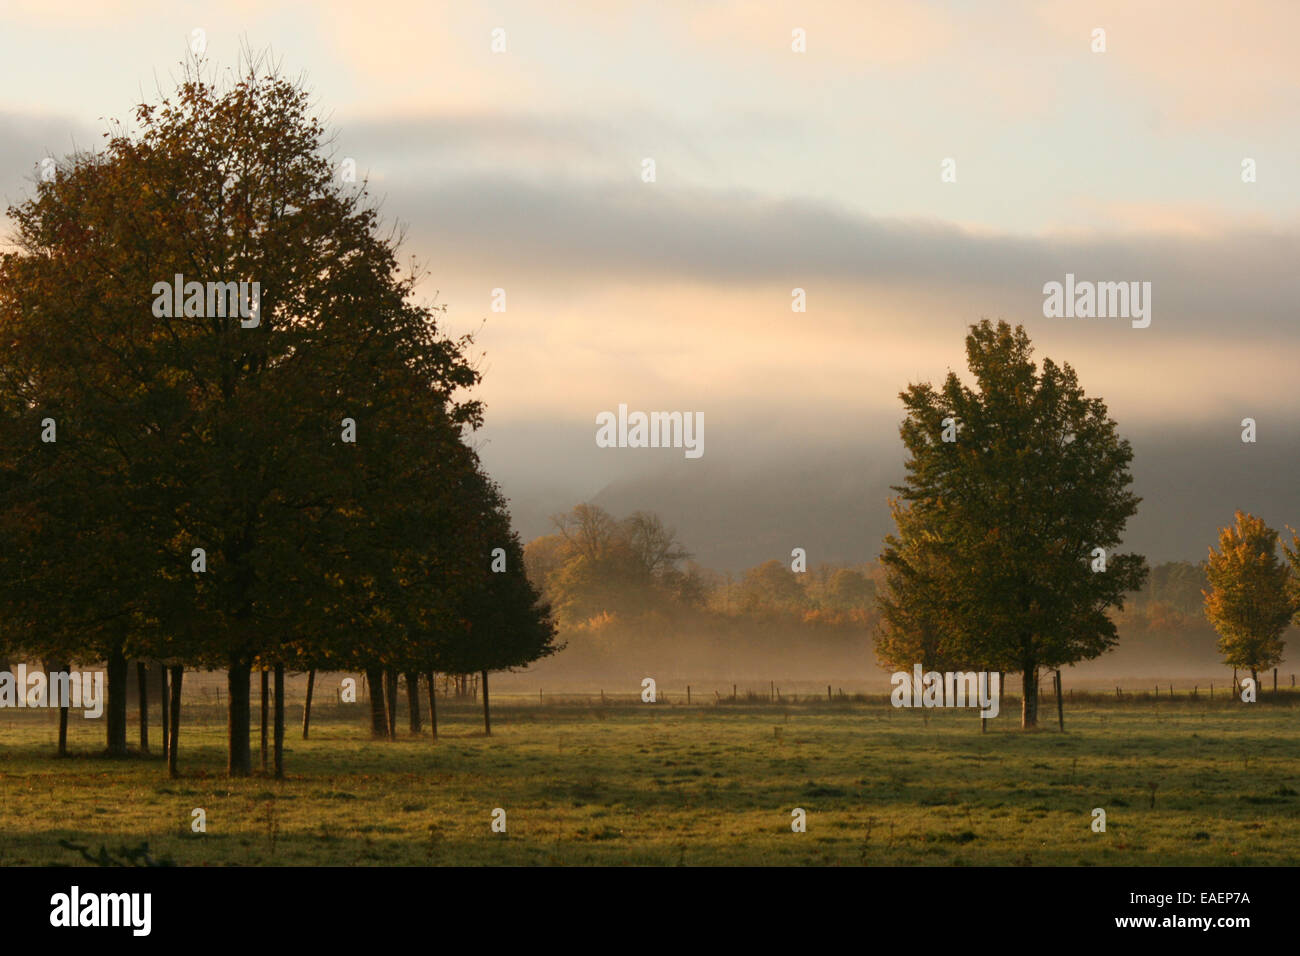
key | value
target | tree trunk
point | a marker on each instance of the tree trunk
(175, 724)
(487, 714)
(1254, 676)
(166, 706)
(239, 713)
(433, 706)
(1029, 697)
(413, 700)
(279, 721)
(378, 718)
(306, 707)
(63, 706)
(117, 680)
(142, 684)
(390, 699)
(266, 678)
(63, 731)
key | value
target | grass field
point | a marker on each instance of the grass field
(669, 784)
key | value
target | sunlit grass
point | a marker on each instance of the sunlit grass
(643, 784)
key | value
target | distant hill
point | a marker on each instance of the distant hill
(735, 511)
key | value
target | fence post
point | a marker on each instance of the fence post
(1060, 706)
(688, 693)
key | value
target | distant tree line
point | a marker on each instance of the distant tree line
(627, 587)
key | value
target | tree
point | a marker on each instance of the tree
(1251, 599)
(771, 588)
(912, 628)
(849, 589)
(654, 545)
(504, 623)
(84, 546)
(1292, 552)
(1011, 488)
(543, 557)
(196, 428)
(589, 530)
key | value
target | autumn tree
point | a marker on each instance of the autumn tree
(1251, 599)
(1018, 489)
(849, 588)
(596, 564)
(771, 588)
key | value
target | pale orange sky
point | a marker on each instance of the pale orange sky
(775, 170)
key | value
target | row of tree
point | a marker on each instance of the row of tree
(295, 494)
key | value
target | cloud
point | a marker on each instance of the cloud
(619, 232)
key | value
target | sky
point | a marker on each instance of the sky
(775, 169)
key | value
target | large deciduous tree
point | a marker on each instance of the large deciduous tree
(1012, 485)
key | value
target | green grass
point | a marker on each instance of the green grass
(664, 785)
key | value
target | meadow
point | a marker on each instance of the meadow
(1183, 782)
